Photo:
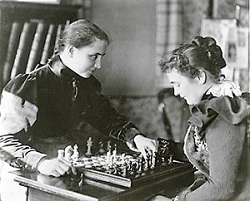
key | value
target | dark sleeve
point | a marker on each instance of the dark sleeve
(107, 120)
(17, 116)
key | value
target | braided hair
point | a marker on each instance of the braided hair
(202, 53)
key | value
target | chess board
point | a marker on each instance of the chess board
(126, 170)
(121, 168)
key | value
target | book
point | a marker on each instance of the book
(52, 38)
(58, 33)
(49, 44)
(23, 49)
(37, 46)
(13, 42)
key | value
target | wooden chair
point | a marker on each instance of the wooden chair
(175, 113)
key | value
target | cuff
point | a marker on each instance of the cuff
(131, 134)
(32, 159)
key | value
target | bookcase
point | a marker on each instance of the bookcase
(28, 32)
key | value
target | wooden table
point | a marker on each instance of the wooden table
(73, 187)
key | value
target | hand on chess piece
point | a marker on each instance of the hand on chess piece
(145, 145)
(55, 167)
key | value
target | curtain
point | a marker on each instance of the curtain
(169, 33)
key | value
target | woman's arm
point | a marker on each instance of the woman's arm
(225, 143)
(17, 116)
(108, 121)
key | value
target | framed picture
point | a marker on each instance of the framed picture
(232, 39)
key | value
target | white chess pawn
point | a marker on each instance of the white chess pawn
(123, 158)
(114, 154)
(68, 152)
(89, 145)
(75, 155)
(153, 161)
(108, 157)
(60, 153)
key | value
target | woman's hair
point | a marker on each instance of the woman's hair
(78, 34)
(202, 53)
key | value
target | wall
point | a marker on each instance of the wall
(115, 17)
(128, 73)
(128, 68)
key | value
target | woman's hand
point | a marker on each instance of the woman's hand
(145, 145)
(55, 167)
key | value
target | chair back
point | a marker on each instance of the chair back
(30, 43)
(175, 113)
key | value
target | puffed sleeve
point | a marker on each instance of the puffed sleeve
(18, 114)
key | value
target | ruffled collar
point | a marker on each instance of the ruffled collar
(225, 88)
(223, 99)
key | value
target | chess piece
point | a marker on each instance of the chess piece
(153, 161)
(89, 145)
(123, 158)
(101, 148)
(80, 184)
(60, 153)
(109, 146)
(114, 153)
(111, 162)
(75, 155)
(170, 159)
(68, 153)
(108, 158)
(124, 171)
(140, 165)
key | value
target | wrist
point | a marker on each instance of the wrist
(138, 136)
(40, 162)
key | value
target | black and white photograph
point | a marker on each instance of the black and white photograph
(124, 100)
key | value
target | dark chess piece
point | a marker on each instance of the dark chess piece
(124, 170)
(81, 182)
(164, 151)
(101, 148)
(140, 165)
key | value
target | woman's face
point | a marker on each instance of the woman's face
(188, 88)
(86, 60)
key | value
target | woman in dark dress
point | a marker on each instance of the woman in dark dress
(41, 110)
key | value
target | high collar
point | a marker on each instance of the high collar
(63, 71)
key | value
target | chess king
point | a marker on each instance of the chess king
(40, 110)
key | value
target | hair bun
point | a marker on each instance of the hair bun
(213, 51)
(203, 42)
